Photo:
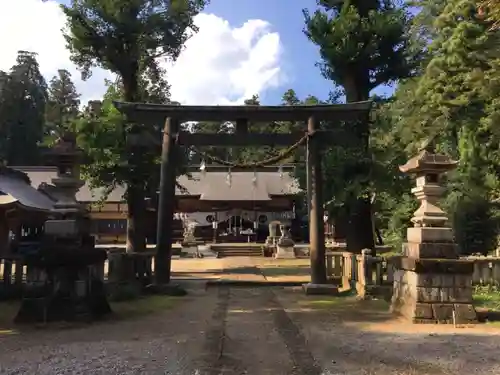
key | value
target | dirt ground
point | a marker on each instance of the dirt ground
(255, 330)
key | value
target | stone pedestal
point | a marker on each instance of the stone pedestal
(271, 241)
(431, 285)
(432, 290)
(189, 250)
(285, 244)
(284, 252)
(205, 251)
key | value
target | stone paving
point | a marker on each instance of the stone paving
(249, 269)
(272, 330)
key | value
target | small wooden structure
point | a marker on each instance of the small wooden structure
(23, 211)
(312, 136)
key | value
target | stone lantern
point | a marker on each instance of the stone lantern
(431, 283)
(66, 157)
(71, 265)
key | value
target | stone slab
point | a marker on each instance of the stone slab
(445, 250)
(311, 289)
(191, 251)
(437, 266)
(465, 314)
(443, 312)
(429, 234)
(284, 252)
(206, 252)
(423, 311)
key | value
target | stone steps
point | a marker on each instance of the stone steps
(235, 251)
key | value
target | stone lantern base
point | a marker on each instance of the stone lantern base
(434, 291)
(431, 290)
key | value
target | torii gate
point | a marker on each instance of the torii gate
(173, 137)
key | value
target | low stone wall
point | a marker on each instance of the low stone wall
(486, 270)
(380, 273)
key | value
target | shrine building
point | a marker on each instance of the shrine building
(226, 207)
(23, 211)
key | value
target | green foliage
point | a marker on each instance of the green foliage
(23, 97)
(127, 38)
(363, 43)
(487, 297)
(101, 135)
(62, 106)
(455, 100)
(475, 224)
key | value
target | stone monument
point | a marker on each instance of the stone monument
(271, 239)
(189, 245)
(285, 244)
(431, 284)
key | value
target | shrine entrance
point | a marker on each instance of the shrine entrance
(312, 136)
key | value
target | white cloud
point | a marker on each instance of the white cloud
(220, 64)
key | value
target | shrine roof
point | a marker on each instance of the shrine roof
(210, 186)
(15, 189)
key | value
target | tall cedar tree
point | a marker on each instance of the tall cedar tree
(23, 97)
(457, 99)
(363, 44)
(63, 104)
(127, 37)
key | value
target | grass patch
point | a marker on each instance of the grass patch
(348, 309)
(123, 310)
(487, 297)
(324, 303)
(487, 303)
(346, 302)
(142, 306)
(8, 311)
(285, 270)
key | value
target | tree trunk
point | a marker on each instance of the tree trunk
(360, 229)
(359, 234)
(136, 216)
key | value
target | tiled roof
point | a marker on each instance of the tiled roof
(14, 189)
(210, 186)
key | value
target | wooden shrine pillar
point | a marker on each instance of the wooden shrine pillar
(166, 203)
(316, 225)
(4, 232)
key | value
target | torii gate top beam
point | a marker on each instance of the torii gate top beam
(157, 113)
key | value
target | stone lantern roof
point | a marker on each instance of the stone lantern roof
(65, 151)
(427, 161)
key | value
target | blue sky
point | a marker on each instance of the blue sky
(298, 58)
(300, 55)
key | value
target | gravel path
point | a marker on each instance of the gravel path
(259, 331)
(350, 342)
(163, 343)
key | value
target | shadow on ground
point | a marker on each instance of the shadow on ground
(270, 271)
(345, 335)
(279, 331)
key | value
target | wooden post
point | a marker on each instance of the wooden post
(316, 225)
(166, 204)
(308, 185)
